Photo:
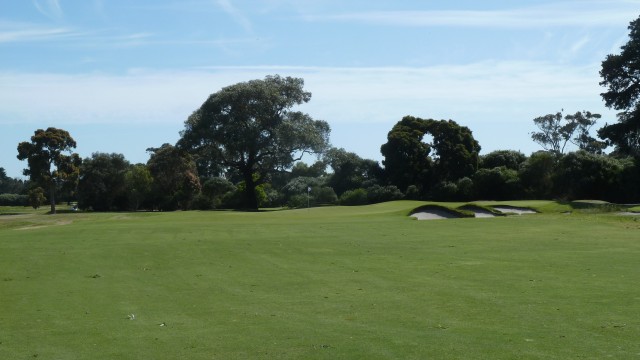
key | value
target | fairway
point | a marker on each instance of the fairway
(323, 283)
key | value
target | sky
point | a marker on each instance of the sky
(122, 76)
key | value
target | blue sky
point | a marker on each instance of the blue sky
(122, 76)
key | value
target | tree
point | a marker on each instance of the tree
(556, 131)
(350, 171)
(621, 76)
(102, 185)
(508, 158)
(425, 152)
(36, 197)
(138, 182)
(175, 178)
(250, 128)
(51, 163)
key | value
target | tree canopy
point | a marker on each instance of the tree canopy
(556, 131)
(621, 76)
(424, 152)
(51, 163)
(249, 128)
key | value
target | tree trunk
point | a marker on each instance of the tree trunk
(250, 198)
(52, 197)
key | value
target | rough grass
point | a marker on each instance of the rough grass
(325, 283)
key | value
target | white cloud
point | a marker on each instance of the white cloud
(49, 8)
(32, 34)
(495, 90)
(236, 14)
(585, 13)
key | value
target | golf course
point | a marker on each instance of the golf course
(367, 282)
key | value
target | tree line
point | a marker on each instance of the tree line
(242, 149)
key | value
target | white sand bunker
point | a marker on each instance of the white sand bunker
(479, 212)
(514, 210)
(433, 214)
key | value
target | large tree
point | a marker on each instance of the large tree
(621, 76)
(423, 152)
(250, 129)
(51, 162)
(557, 130)
(102, 185)
(175, 177)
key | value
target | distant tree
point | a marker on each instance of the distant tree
(498, 183)
(537, 173)
(215, 189)
(621, 76)
(102, 185)
(581, 175)
(556, 131)
(175, 178)
(138, 184)
(51, 163)
(510, 159)
(36, 197)
(425, 152)
(316, 169)
(250, 128)
(350, 171)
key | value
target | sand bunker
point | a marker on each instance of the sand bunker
(433, 214)
(436, 213)
(514, 210)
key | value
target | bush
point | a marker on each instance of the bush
(14, 200)
(354, 197)
(325, 195)
(378, 194)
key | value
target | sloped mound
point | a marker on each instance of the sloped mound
(507, 209)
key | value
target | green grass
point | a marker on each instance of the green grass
(326, 283)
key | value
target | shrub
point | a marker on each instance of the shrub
(14, 200)
(354, 197)
(378, 194)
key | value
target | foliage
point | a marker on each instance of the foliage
(557, 130)
(378, 194)
(537, 175)
(249, 128)
(582, 175)
(175, 178)
(350, 171)
(51, 163)
(354, 197)
(103, 185)
(138, 182)
(621, 76)
(410, 159)
(36, 197)
(10, 185)
(14, 200)
(214, 189)
(499, 183)
(508, 158)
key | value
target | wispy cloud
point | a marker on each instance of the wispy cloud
(587, 13)
(27, 32)
(236, 14)
(49, 8)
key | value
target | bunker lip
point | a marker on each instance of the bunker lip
(478, 211)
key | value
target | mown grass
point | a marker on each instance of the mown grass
(325, 283)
